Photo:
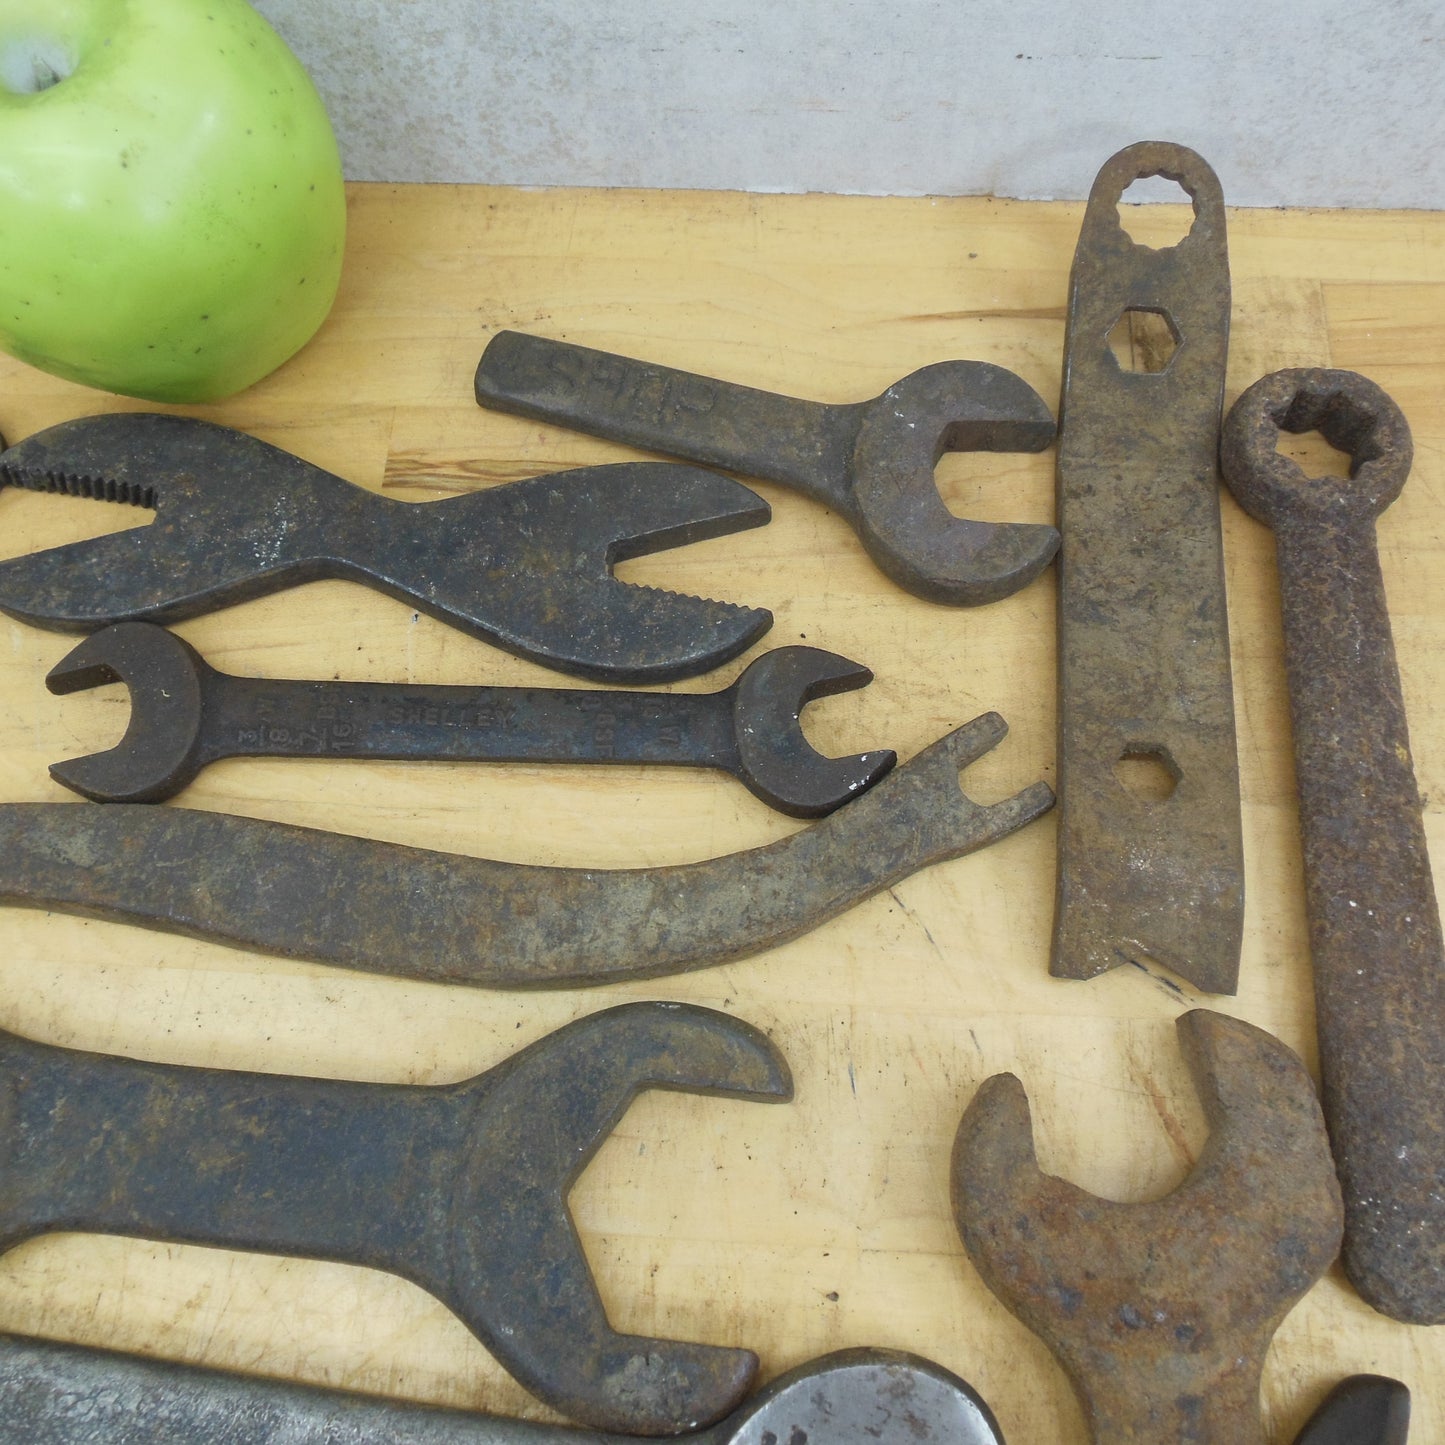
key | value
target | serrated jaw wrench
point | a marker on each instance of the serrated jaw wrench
(55, 1394)
(185, 715)
(872, 462)
(526, 566)
(1151, 854)
(460, 1188)
(409, 912)
(1374, 925)
(1161, 1313)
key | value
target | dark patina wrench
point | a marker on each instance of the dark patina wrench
(871, 462)
(54, 1394)
(1375, 942)
(1161, 1313)
(526, 566)
(460, 1188)
(185, 714)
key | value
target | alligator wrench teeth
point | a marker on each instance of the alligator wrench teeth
(386, 908)
(1151, 856)
(526, 566)
(185, 714)
(1374, 925)
(1161, 1313)
(871, 461)
(55, 1394)
(461, 1188)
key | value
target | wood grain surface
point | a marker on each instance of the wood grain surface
(796, 1229)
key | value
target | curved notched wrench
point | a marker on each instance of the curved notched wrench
(383, 907)
(460, 1188)
(871, 461)
(526, 566)
(185, 714)
(1161, 1312)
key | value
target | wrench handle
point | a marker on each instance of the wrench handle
(800, 444)
(245, 717)
(1374, 926)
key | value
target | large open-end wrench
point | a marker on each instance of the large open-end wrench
(185, 714)
(1375, 941)
(526, 566)
(1161, 1313)
(332, 898)
(871, 461)
(54, 1394)
(460, 1188)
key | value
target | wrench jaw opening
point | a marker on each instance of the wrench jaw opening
(963, 406)
(775, 760)
(952, 815)
(521, 1279)
(160, 751)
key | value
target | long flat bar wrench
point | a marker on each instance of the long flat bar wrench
(55, 1394)
(1151, 852)
(1374, 926)
(185, 714)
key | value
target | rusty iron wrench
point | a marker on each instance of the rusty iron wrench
(872, 461)
(1374, 927)
(460, 1188)
(1161, 1313)
(526, 566)
(185, 714)
(410, 912)
(54, 1394)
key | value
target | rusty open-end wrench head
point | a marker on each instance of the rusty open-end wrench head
(775, 760)
(1161, 1312)
(951, 406)
(159, 753)
(1350, 411)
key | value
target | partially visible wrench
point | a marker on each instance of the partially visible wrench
(54, 1394)
(872, 462)
(461, 1188)
(526, 566)
(1375, 940)
(185, 714)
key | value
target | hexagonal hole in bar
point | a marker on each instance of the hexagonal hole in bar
(1144, 339)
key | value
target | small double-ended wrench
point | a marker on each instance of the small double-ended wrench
(872, 462)
(185, 714)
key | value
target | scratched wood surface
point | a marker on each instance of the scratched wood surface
(794, 1229)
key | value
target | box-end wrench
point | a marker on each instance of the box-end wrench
(872, 462)
(526, 566)
(185, 714)
(460, 1188)
(411, 912)
(55, 1394)
(1161, 1313)
(1374, 927)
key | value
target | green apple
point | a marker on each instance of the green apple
(172, 215)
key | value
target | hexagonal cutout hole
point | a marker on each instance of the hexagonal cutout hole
(1156, 217)
(1144, 340)
(1313, 455)
(1148, 773)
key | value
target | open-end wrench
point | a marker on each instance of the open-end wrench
(526, 566)
(872, 462)
(1152, 871)
(1161, 1313)
(54, 1394)
(383, 907)
(1379, 963)
(185, 714)
(460, 1188)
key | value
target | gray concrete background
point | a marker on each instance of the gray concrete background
(1333, 103)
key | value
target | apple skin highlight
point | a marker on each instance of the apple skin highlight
(173, 209)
